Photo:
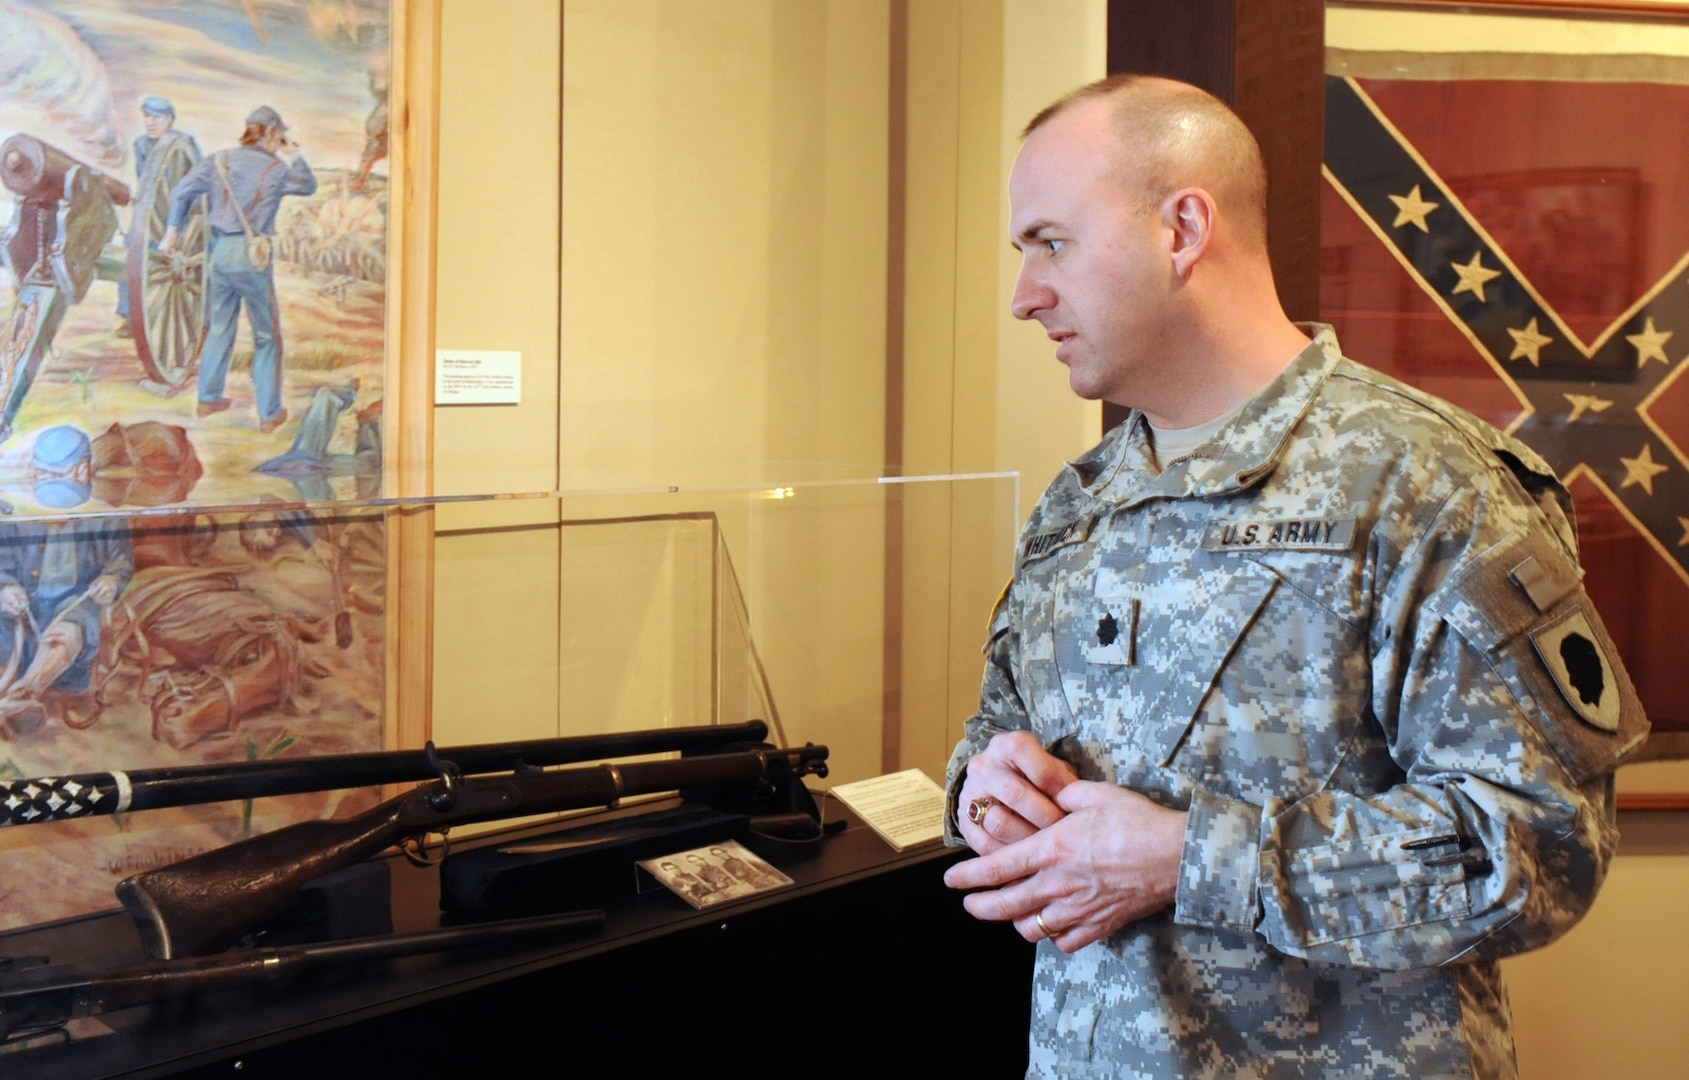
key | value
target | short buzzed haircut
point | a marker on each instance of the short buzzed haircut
(1173, 135)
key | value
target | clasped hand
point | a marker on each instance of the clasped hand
(1086, 857)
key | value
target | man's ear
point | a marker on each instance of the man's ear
(1189, 215)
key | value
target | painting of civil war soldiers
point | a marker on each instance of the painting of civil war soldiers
(145, 643)
(193, 232)
(193, 288)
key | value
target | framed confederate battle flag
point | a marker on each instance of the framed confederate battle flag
(1506, 224)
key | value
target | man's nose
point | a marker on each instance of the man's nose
(1030, 296)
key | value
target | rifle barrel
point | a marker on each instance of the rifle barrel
(203, 904)
(41, 799)
(37, 998)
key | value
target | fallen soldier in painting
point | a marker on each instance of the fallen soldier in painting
(302, 581)
(144, 464)
(58, 581)
(309, 462)
(210, 633)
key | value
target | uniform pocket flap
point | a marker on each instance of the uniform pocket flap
(1509, 589)
(1523, 607)
(1193, 668)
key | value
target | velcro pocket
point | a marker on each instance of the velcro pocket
(1369, 884)
(1522, 606)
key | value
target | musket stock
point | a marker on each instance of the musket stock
(206, 903)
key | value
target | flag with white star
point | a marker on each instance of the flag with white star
(1494, 243)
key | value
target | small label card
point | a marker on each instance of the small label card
(707, 876)
(905, 808)
(477, 377)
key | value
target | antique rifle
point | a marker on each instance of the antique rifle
(55, 798)
(37, 998)
(206, 903)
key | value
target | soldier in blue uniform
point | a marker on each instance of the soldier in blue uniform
(245, 187)
(158, 116)
(57, 582)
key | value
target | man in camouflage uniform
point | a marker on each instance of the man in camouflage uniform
(1296, 718)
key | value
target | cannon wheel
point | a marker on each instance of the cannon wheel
(167, 293)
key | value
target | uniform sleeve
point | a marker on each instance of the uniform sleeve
(299, 180)
(1505, 710)
(195, 183)
(1001, 708)
(115, 554)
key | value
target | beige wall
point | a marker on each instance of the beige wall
(954, 80)
(495, 621)
(1609, 998)
(723, 318)
(710, 308)
(710, 314)
(982, 392)
(724, 241)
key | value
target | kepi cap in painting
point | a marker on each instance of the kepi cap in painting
(153, 105)
(60, 449)
(266, 116)
(57, 453)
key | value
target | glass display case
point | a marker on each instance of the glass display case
(845, 613)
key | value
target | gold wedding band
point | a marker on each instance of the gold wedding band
(1042, 925)
(979, 808)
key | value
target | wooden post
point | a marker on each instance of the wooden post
(410, 537)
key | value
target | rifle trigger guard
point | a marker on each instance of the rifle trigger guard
(617, 782)
(450, 776)
(415, 849)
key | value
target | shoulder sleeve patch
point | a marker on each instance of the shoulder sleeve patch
(1571, 651)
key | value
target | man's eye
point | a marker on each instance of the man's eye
(1055, 245)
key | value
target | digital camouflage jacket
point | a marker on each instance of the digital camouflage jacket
(1349, 637)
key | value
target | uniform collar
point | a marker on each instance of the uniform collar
(1119, 470)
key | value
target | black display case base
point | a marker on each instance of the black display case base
(867, 965)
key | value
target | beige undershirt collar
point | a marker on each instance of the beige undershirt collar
(1168, 445)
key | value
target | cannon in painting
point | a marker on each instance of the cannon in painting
(58, 244)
